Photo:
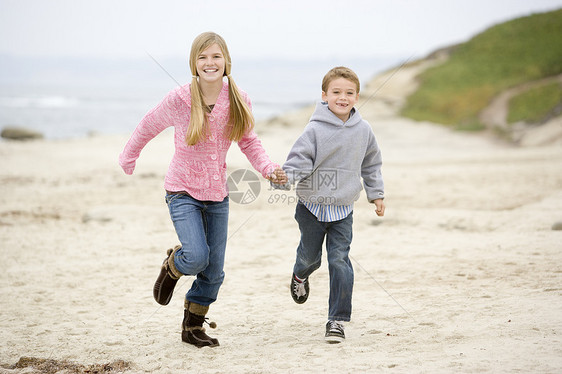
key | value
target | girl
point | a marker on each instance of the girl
(207, 115)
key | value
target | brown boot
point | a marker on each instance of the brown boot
(167, 279)
(193, 331)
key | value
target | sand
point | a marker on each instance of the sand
(463, 274)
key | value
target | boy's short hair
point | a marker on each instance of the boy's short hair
(340, 72)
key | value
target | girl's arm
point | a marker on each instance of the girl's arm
(251, 146)
(152, 124)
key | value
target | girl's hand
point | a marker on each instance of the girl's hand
(278, 176)
(379, 203)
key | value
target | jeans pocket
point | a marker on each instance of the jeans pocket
(171, 197)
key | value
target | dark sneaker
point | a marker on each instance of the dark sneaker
(299, 290)
(334, 332)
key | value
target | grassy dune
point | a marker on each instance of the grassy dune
(504, 56)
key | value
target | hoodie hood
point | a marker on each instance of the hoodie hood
(323, 114)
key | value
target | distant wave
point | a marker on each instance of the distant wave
(61, 102)
(282, 105)
(114, 97)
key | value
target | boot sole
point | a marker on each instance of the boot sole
(164, 287)
(204, 341)
(165, 284)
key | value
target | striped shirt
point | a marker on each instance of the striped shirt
(329, 213)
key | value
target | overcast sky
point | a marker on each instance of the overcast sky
(252, 29)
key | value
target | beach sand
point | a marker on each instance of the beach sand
(463, 274)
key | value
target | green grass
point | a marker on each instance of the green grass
(506, 55)
(535, 104)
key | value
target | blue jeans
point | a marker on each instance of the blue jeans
(202, 228)
(338, 236)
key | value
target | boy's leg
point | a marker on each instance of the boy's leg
(309, 251)
(338, 243)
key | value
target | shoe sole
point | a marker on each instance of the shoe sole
(334, 339)
(298, 300)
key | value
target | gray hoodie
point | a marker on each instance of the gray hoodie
(330, 157)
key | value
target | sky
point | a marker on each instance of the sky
(288, 29)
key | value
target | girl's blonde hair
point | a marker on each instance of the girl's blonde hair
(240, 119)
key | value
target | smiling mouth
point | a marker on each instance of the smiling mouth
(211, 70)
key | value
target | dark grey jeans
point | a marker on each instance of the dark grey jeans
(338, 236)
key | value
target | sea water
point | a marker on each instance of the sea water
(68, 99)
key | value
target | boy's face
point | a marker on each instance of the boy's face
(341, 97)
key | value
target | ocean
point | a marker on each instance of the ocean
(69, 98)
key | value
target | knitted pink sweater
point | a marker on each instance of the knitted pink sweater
(200, 170)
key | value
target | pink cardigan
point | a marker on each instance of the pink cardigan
(200, 170)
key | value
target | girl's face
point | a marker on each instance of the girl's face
(210, 64)
(341, 97)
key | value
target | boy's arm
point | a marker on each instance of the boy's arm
(371, 171)
(299, 163)
(300, 160)
(380, 207)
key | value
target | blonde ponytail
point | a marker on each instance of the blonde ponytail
(198, 121)
(241, 116)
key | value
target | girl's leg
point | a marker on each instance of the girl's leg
(201, 227)
(341, 271)
(309, 251)
(192, 255)
(187, 216)
(205, 288)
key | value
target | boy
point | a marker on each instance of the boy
(336, 149)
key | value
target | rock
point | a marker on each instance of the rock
(19, 133)
(557, 226)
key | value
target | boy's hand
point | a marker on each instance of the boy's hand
(278, 176)
(379, 203)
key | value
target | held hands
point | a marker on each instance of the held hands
(278, 176)
(379, 203)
